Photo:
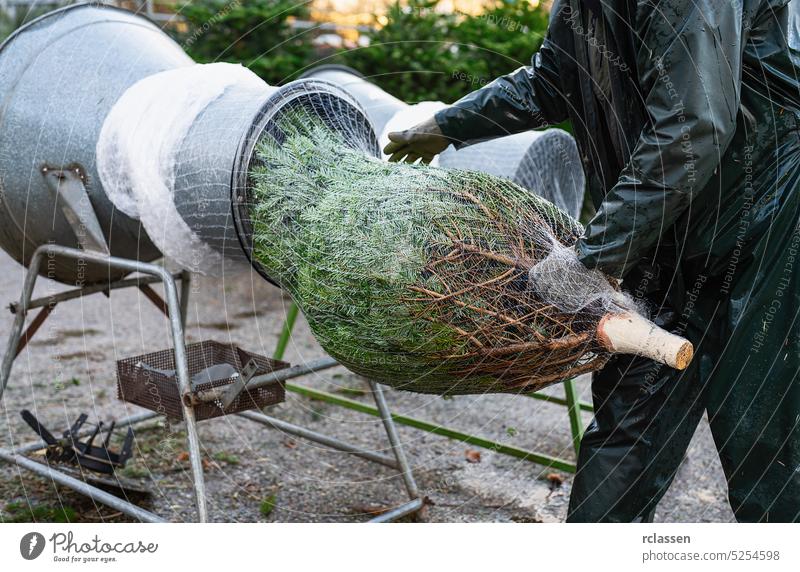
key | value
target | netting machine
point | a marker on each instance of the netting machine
(76, 86)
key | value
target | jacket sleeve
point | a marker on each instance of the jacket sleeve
(691, 60)
(527, 98)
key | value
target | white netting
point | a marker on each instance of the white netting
(138, 146)
(432, 280)
(563, 281)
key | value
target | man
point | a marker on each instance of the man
(686, 115)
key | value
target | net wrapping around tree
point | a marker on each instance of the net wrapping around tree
(422, 278)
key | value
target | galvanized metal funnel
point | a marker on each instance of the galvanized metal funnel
(59, 76)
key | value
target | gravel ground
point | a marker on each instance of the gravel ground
(258, 474)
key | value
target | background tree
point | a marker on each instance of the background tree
(420, 54)
(256, 33)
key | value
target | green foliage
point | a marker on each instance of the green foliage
(21, 512)
(135, 471)
(413, 55)
(502, 39)
(226, 458)
(268, 505)
(255, 33)
(22, 16)
(416, 54)
(421, 54)
(354, 239)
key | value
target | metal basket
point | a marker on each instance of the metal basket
(149, 380)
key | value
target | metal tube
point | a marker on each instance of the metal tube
(80, 292)
(36, 323)
(98, 257)
(312, 366)
(185, 388)
(218, 393)
(524, 454)
(291, 372)
(154, 298)
(304, 433)
(81, 487)
(132, 420)
(186, 287)
(394, 440)
(583, 405)
(19, 318)
(402, 510)
(51, 68)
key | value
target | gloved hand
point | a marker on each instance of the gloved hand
(423, 141)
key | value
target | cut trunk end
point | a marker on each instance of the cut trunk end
(629, 333)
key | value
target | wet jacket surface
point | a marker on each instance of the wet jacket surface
(699, 215)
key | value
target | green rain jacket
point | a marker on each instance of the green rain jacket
(697, 208)
(688, 76)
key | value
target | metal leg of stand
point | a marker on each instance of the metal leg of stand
(34, 326)
(186, 288)
(19, 319)
(399, 462)
(411, 507)
(286, 331)
(399, 454)
(443, 430)
(173, 307)
(105, 288)
(316, 437)
(185, 388)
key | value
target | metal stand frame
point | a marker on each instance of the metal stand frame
(175, 308)
(570, 401)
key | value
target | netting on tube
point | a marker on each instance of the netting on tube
(419, 277)
(138, 153)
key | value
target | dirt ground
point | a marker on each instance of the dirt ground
(259, 474)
